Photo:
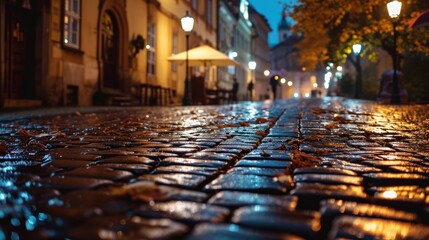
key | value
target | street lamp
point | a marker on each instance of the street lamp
(358, 84)
(394, 9)
(187, 23)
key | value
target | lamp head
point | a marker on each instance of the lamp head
(394, 8)
(187, 22)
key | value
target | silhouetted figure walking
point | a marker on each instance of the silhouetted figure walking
(234, 90)
(250, 90)
(274, 82)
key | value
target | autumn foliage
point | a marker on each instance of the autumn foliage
(331, 27)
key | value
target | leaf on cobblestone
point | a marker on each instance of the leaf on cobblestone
(261, 120)
(144, 191)
(314, 138)
(78, 114)
(294, 142)
(244, 124)
(230, 125)
(261, 133)
(37, 143)
(282, 147)
(23, 132)
(3, 148)
(319, 111)
(341, 119)
(285, 180)
(331, 126)
(301, 159)
(264, 154)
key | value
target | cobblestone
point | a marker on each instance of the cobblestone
(294, 169)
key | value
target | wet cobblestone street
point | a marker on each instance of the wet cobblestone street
(295, 169)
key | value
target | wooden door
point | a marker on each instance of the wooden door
(20, 51)
(110, 49)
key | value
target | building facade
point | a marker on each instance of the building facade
(261, 53)
(294, 79)
(74, 52)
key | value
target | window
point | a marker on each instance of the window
(174, 51)
(209, 12)
(71, 23)
(151, 49)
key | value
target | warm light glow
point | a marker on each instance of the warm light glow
(252, 65)
(283, 80)
(357, 48)
(187, 22)
(339, 68)
(315, 85)
(296, 95)
(267, 73)
(394, 8)
(307, 95)
(328, 68)
(391, 194)
(303, 69)
(147, 46)
(290, 83)
(276, 77)
(234, 54)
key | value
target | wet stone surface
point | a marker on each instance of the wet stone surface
(291, 169)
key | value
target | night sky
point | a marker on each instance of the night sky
(272, 10)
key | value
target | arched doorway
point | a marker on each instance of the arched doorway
(20, 44)
(110, 50)
(113, 48)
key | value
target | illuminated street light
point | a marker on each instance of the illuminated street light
(267, 73)
(394, 9)
(283, 80)
(187, 25)
(290, 83)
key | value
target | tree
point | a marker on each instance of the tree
(331, 27)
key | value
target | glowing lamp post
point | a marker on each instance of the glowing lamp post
(187, 25)
(394, 9)
(358, 84)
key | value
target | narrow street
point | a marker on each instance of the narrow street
(325, 168)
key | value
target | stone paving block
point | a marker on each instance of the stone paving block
(323, 170)
(206, 231)
(305, 224)
(347, 226)
(100, 173)
(392, 179)
(212, 156)
(188, 212)
(328, 179)
(263, 163)
(330, 209)
(70, 164)
(234, 199)
(122, 227)
(190, 181)
(310, 194)
(260, 171)
(198, 170)
(238, 182)
(137, 169)
(128, 160)
(193, 162)
(147, 192)
(67, 183)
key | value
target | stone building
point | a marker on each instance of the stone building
(73, 52)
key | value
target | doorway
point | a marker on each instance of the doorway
(110, 51)
(20, 61)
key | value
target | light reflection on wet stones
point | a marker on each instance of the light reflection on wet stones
(83, 175)
(232, 231)
(188, 212)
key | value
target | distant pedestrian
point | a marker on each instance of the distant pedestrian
(235, 90)
(250, 90)
(274, 82)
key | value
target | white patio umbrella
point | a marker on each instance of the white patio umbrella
(204, 56)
